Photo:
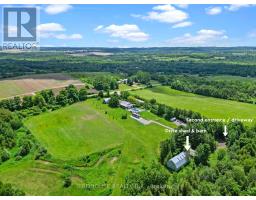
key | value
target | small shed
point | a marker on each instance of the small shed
(106, 100)
(173, 119)
(178, 161)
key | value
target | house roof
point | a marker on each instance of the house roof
(179, 160)
(125, 104)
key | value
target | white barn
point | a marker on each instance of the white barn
(125, 104)
(178, 161)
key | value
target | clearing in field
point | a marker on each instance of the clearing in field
(207, 106)
(85, 128)
(92, 128)
(27, 85)
(75, 131)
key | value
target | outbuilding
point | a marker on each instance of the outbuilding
(125, 104)
(178, 161)
(106, 100)
(136, 115)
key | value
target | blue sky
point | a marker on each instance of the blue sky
(147, 25)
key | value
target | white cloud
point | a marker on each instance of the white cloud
(184, 6)
(165, 14)
(98, 28)
(182, 24)
(50, 27)
(51, 30)
(69, 37)
(213, 10)
(129, 32)
(57, 8)
(236, 7)
(204, 37)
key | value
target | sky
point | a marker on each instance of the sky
(146, 25)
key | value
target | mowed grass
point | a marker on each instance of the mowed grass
(28, 175)
(91, 126)
(75, 131)
(207, 106)
(232, 78)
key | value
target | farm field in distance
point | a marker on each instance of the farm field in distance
(26, 85)
(207, 106)
(232, 78)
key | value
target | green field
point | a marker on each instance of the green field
(207, 106)
(76, 128)
(115, 146)
(232, 78)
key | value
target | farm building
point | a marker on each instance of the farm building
(125, 104)
(106, 100)
(178, 161)
(136, 115)
(178, 122)
(173, 119)
(93, 91)
(122, 81)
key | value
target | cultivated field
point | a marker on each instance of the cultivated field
(27, 85)
(207, 106)
(114, 146)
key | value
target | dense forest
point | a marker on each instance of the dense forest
(16, 141)
(204, 61)
(231, 172)
(244, 91)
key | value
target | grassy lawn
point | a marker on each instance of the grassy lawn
(123, 87)
(76, 128)
(31, 176)
(85, 128)
(207, 106)
(232, 78)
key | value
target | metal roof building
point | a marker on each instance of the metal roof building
(125, 104)
(178, 161)
(106, 100)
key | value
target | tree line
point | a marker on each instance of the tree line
(128, 63)
(231, 173)
(243, 91)
(44, 100)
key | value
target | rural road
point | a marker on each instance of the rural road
(155, 122)
(147, 122)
